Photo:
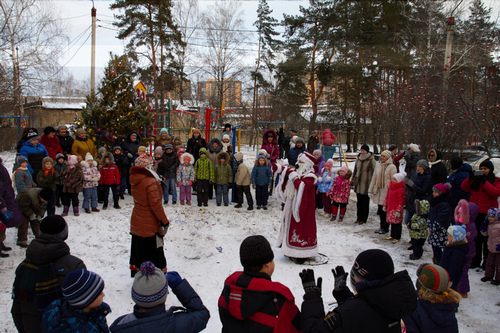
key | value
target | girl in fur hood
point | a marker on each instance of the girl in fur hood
(185, 177)
(325, 182)
(437, 303)
(91, 177)
(339, 193)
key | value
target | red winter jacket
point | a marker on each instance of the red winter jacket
(251, 302)
(52, 145)
(486, 196)
(109, 175)
(394, 202)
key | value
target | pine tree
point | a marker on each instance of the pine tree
(116, 110)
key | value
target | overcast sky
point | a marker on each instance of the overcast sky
(76, 17)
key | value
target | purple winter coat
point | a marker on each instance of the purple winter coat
(271, 148)
(8, 198)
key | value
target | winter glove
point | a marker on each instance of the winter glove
(484, 226)
(190, 182)
(33, 217)
(254, 186)
(8, 214)
(340, 290)
(129, 155)
(498, 248)
(471, 175)
(308, 282)
(163, 229)
(408, 182)
(179, 184)
(482, 179)
(384, 208)
(320, 179)
(173, 279)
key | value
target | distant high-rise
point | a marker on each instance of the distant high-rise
(210, 90)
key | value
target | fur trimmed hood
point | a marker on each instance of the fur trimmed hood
(225, 155)
(108, 155)
(469, 211)
(448, 296)
(191, 158)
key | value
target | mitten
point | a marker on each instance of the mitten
(320, 179)
(340, 290)
(179, 184)
(173, 279)
(498, 248)
(129, 155)
(384, 208)
(328, 178)
(8, 214)
(308, 282)
(190, 182)
(408, 182)
(484, 226)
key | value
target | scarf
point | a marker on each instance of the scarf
(36, 283)
(381, 178)
(47, 171)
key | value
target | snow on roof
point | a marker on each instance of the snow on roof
(63, 106)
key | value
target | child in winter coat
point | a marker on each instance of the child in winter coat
(168, 170)
(185, 177)
(142, 157)
(394, 205)
(454, 254)
(339, 193)
(73, 184)
(110, 178)
(262, 178)
(436, 305)
(60, 166)
(21, 177)
(122, 162)
(491, 228)
(81, 308)
(465, 214)
(91, 177)
(157, 158)
(418, 228)
(439, 219)
(325, 182)
(223, 178)
(48, 178)
(203, 176)
(242, 179)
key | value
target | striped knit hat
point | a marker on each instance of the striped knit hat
(433, 277)
(81, 288)
(150, 286)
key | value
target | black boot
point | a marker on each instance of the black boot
(4, 248)
(105, 206)
(3, 255)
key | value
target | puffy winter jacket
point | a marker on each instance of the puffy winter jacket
(66, 143)
(421, 189)
(486, 196)
(91, 174)
(8, 198)
(148, 215)
(29, 202)
(73, 179)
(110, 173)
(439, 219)
(341, 188)
(395, 202)
(325, 180)
(453, 260)
(223, 172)
(242, 176)
(35, 155)
(261, 174)
(204, 169)
(493, 234)
(168, 167)
(130, 146)
(81, 147)
(194, 145)
(455, 180)
(52, 145)
(211, 152)
(271, 148)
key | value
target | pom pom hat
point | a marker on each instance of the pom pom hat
(81, 288)
(150, 286)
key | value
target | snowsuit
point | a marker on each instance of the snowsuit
(204, 175)
(251, 302)
(185, 177)
(325, 182)
(59, 167)
(469, 213)
(212, 156)
(394, 204)
(48, 178)
(73, 184)
(418, 227)
(339, 194)
(91, 177)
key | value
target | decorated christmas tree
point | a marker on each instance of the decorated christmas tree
(116, 109)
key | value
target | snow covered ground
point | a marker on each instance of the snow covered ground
(102, 241)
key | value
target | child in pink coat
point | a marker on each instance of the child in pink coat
(339, 193)
(394, 206)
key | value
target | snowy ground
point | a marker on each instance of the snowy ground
(102, 241)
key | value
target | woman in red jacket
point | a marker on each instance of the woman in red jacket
(484, 192)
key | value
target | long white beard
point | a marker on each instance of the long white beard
(304, 169)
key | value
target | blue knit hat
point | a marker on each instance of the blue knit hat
(457, 232)
(81, 288)
(150, 286)
(169, 146)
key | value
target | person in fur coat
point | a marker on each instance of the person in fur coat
(325, 183)
(185, 177)
(91, 177)
(394, 206)
(339, 193)
(73, 184)
(465, 214)
(436, 304)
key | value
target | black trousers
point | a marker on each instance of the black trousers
(396, 230)
(363, 207)
(239, 195)
(202, 190)
(383, 218)
(418, 246)
(114, 189)
(481, 242)
(70, 198)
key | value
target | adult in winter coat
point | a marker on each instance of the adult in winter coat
(362, 176)
(148, 224)
(411, 156)
(286, 142)
(418, 187)
(381, 299)
(281, 139)
(379, 186)
(270, 144)
(465, 214)
(51, 142)
(312, 142)
(438, 169)
(83, 145)
(460, 172)
(251, 301)
(65, 140)
(163, 139)
(436, 305)
(34, 152)
(484, 191)
(131, 144)
(149, 292)
(293, 154)
(48, 260)
(439, 219)
(8, 204)
(195, 143)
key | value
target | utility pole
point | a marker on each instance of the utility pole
(93, 13)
